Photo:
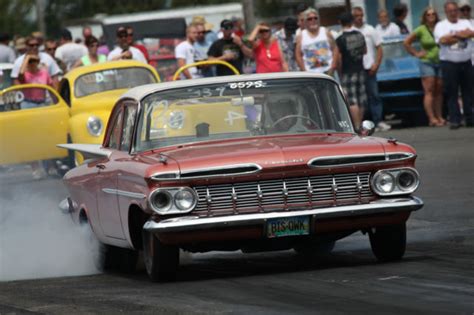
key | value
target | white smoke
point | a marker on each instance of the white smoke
(36, 239)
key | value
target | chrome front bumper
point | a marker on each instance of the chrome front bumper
(190, 223)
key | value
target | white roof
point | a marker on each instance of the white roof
(140, 92)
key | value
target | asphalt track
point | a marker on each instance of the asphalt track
(435, 277)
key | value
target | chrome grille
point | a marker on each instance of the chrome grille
(283, 194)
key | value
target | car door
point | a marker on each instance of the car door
(33, 120)
(107, 171)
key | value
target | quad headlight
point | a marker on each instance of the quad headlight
(94, 126)
(395, 181)
(172, 200)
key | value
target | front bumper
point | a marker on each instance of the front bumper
(193, 223)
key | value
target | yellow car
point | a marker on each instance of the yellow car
(92, 91)
(33, 119)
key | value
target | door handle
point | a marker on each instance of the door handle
(100, 166)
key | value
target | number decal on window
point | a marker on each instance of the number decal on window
(247, 85)
(231, 116)
(343, 124)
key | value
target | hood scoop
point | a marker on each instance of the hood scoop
(334, 161)
(222, 171)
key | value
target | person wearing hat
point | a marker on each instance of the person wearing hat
(267, 51)
(20, 46)
(124, 50)
(209, 34)
(454, 36)
(287, 39)
(52, 67)
(7, 54)
(229, 48)
(68, 51)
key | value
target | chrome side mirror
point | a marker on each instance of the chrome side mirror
(367, 128)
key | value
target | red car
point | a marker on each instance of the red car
(250, 162)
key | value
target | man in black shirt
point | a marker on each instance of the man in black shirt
(350, 51)
(229, 48)
(400, 12)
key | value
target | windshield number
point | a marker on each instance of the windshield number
(343, 124)
(231, 116)
(246, 85)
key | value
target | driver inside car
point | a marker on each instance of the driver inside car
(287, 115)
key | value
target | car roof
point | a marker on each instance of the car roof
(76, 72)
(139, 92)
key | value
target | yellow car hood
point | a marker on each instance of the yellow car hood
(94, 102)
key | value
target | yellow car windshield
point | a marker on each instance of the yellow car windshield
(112, 79)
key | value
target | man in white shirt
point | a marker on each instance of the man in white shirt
(372, 61)
(185, 52)
(385, 28)
(7, 54)
(124, 50)
(32, 45)
(68, 51)
(454, 36)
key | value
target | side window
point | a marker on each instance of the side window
(128, 124)
(114, 140)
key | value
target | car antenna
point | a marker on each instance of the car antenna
(392, 140)
(163, 159)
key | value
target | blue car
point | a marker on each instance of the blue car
(399, 82)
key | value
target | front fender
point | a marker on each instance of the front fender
(78, 127)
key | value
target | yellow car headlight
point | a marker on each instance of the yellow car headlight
(94, 126)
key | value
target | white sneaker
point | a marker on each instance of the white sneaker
(383, 126)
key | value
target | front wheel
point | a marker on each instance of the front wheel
(161, 261)
(388, 242)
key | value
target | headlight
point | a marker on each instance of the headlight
(392, 182)
(173, 200)
(384, 183)
(184, 199)
(94, 126)
(407, 180)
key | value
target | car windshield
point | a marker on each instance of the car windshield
(112, 79)
(241, 109)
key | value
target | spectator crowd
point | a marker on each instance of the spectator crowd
(352, 56)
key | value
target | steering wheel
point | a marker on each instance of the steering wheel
(295, 116)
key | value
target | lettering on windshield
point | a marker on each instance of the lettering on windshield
(247, 85)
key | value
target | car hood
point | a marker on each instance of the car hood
(99, 101)
(270, 152)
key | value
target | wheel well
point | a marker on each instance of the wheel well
(136, 220)
(83, 219)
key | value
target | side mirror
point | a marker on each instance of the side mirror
(367, 128)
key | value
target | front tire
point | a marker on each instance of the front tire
(388, 242)
(161, 260)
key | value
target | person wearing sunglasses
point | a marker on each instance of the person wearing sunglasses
(52, 67)
(430, 68)
(267, 51)
(68, 51)
(92, 56)
(229, 48)
(132, 42)
(123, 50)
(454, 36)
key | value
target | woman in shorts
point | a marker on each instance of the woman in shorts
(430, 66)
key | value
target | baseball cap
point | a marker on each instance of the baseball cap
(291, 24)
(464, 3)
(227, 24)
(121, 31)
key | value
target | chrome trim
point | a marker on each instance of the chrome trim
(397, 190)
(355, 156)
(185, 174)
(189, 223)
(89, 151)
(172, 209)
(124, 193)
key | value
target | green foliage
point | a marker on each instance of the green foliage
(15, 17)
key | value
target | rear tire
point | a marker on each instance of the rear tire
(388, 242)
(161, 261)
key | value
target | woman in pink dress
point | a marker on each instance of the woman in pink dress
(267, 52)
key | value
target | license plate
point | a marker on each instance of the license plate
(287, 226)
